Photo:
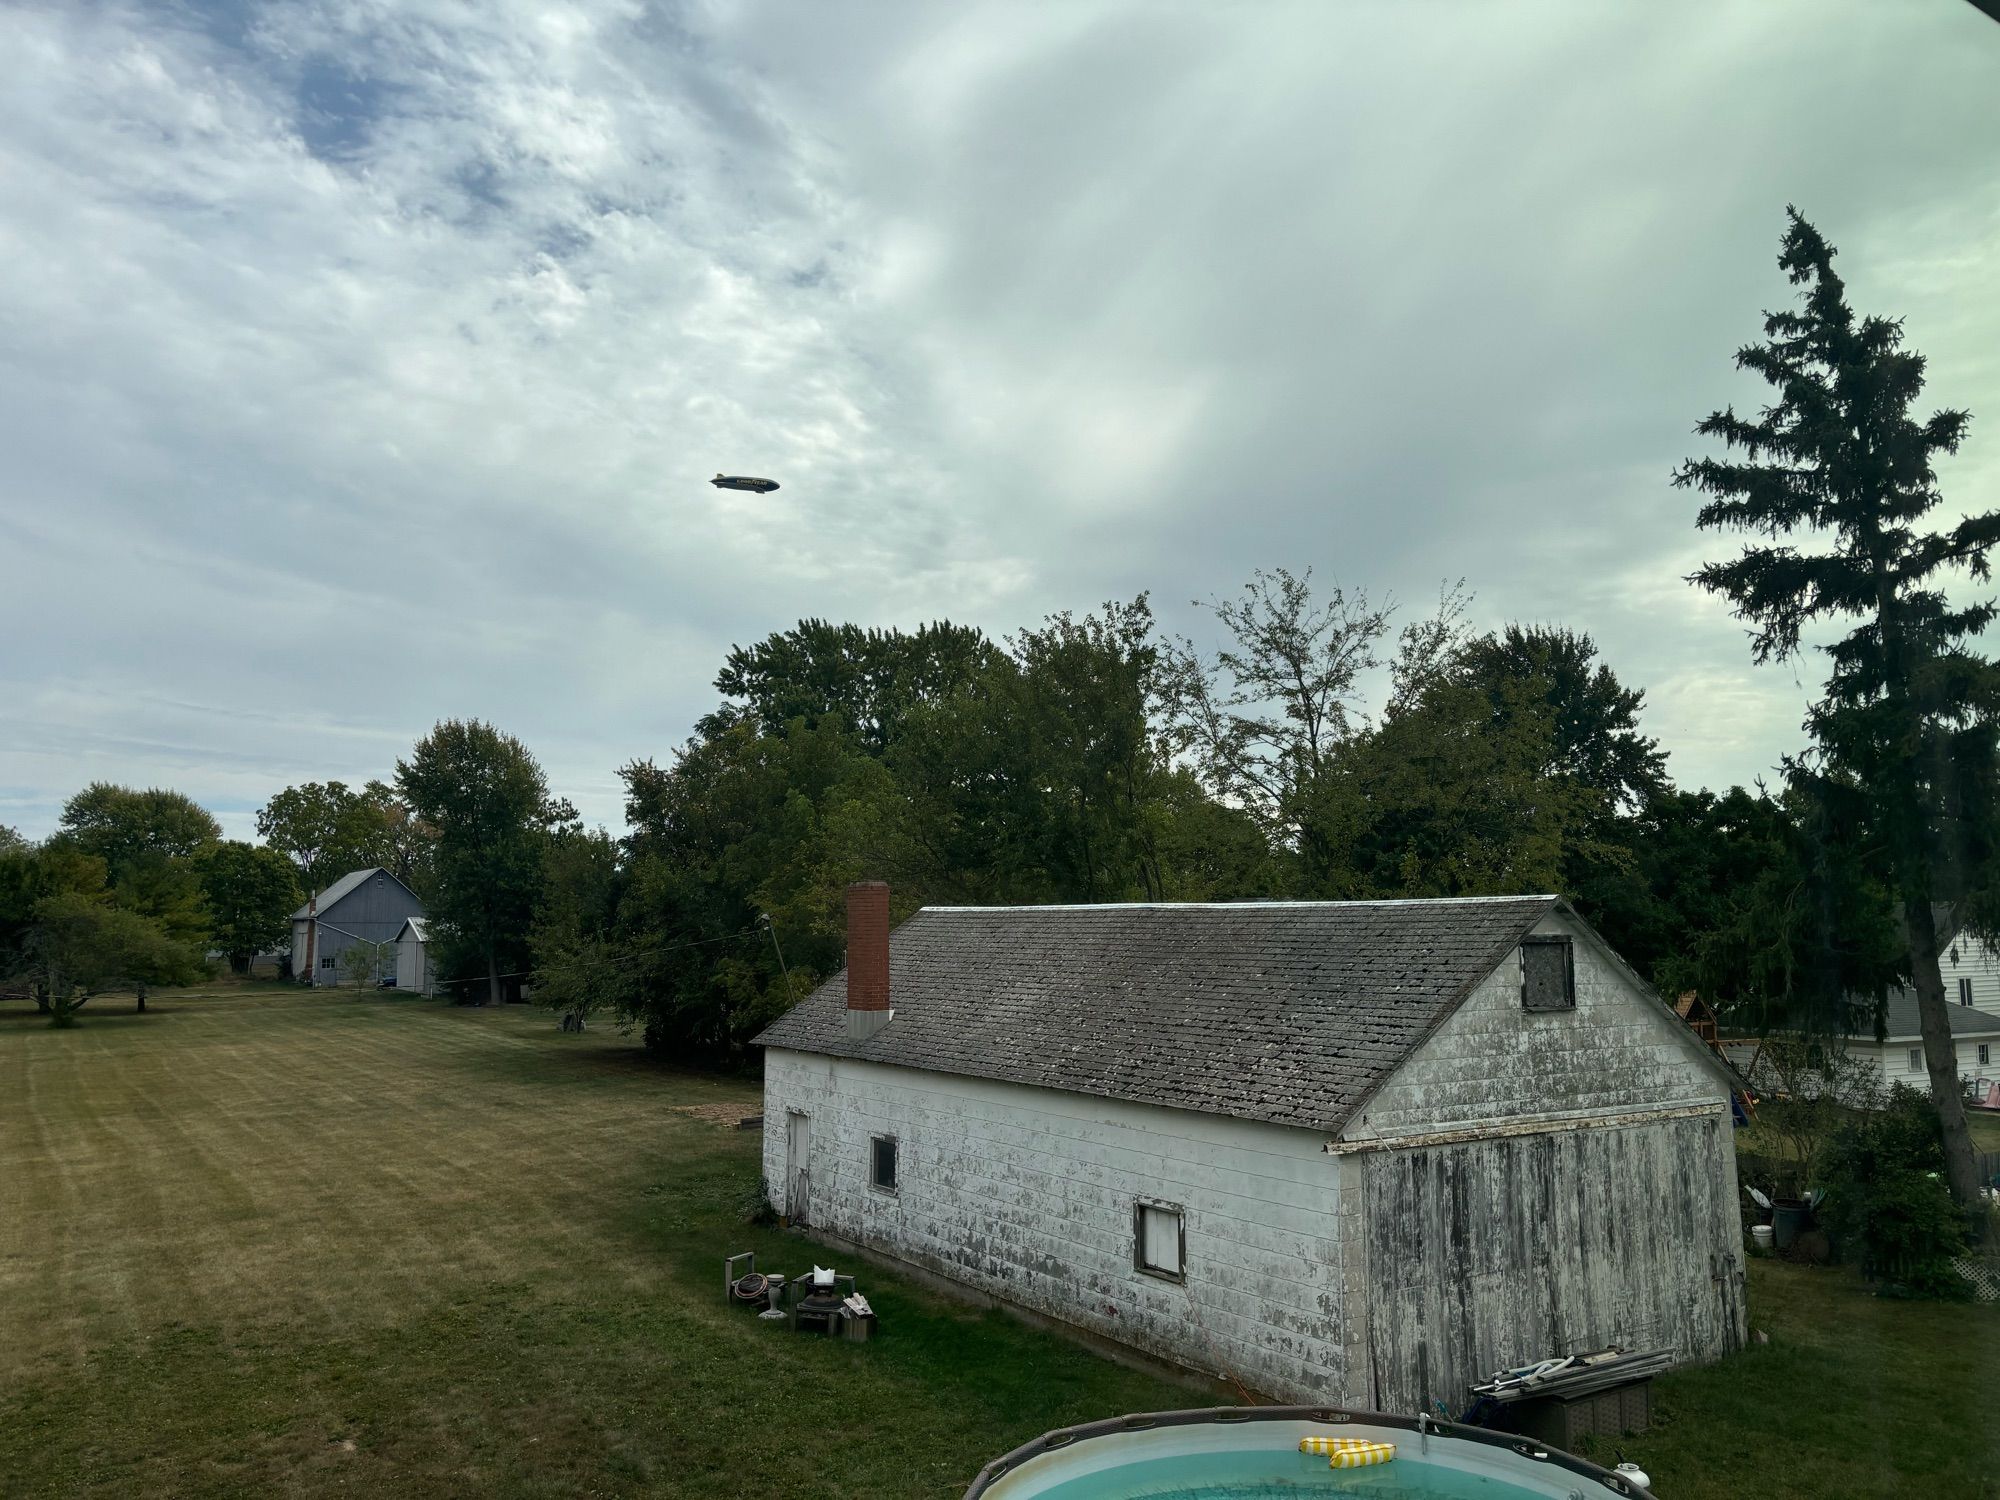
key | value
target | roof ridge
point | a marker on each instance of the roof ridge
(1259, 905)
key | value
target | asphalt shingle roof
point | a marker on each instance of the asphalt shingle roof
(1289, 1012)
(1901, 1015)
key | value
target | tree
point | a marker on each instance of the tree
(124, 827)
(580, 965)
(1446, 797)
(361, 962)
(1595, 738)
(251, 893)
(1265, 716)
(1818, 1085)
(1838, 475)
(326, 828)
(29, 873)
(866, 680)
(394, 836)
(486, 797)
(80, 945)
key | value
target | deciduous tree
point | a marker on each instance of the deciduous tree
(251, 893)
(487, 798)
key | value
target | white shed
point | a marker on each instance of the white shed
(1358, 1153)
(413, 968)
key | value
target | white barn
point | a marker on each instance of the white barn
(1357, 1153)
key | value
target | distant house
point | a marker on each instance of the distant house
(1970, 967)
(367, 907)
(1358, 1153)
(1899, 1056)
(413, 963)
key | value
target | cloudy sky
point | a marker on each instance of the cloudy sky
(364, 362)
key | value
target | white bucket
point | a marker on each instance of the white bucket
(1760, 1235)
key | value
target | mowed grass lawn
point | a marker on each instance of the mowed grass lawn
(262, 1242)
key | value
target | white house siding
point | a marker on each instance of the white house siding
(1971, 959)
(1891, 1059)
(1028, 1194)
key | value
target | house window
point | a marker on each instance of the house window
(1160, 1240)
(1548, 974)
(1964, 989)
(1985, 1053)
(882, 1163)
(1916, 1059)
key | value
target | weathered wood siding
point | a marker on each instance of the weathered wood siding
(1492, 1253)
(1492, 1061)
(1028, 1194)
(1587, 1194)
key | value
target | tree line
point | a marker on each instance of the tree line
(1317, 743)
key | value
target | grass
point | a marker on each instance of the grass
(263, 1242)
(1854, 1398)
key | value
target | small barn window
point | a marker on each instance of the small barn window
(1916, 1059)
(326, 961)
(1548, 974)
(1160, 1240)
(1964, 990)
(882, 1163)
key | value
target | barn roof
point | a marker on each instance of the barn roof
(1288, 1012)
(415, 927)
(352, 881)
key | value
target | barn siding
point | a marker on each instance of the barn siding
(1492, 1061)
(1492, 1253)
(1027, 1194)
(374, 910)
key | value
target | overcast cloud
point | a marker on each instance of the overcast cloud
(364, 363)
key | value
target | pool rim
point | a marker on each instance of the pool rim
(1063, 1437)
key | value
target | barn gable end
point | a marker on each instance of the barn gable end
(1492, 1062)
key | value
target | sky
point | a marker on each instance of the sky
(364, 363)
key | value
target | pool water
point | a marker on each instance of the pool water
(1273, 1474)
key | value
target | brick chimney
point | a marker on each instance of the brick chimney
(867, 959)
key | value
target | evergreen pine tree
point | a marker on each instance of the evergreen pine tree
(1836, 479)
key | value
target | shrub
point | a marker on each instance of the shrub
(1884, 1171)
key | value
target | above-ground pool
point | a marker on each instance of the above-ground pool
(1252, 1453)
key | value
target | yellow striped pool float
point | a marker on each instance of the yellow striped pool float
(1349, 1452)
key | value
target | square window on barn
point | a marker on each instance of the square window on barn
(1548, 974)
(1964, 990)
(326, 962)
(1160, 1240)
(1916, 1059)
(882, 1163)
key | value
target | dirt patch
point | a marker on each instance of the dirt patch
(725, 1116)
